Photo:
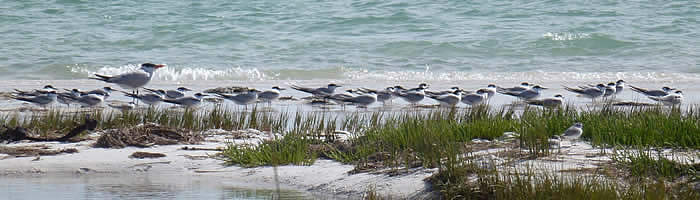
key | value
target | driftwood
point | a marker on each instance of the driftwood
(30, 151)
(142, 155)
(228, 90)
(145, 136)
(186, 148)
(21, 133)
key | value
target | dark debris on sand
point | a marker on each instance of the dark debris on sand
(34, 150)
(142, 155)
(13, 134)
(145, 136)
(227, 90)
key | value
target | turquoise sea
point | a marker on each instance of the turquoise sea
(381, 40)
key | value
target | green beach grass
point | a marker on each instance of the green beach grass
(440, 138)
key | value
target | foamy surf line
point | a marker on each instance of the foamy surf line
(177, 73)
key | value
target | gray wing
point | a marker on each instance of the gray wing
(268, 95)
(90, 100)
(663, 98)
(657, 93)
(189, 101)
(324, 90)
(384, 96)
(591, 92)
(529, 94)
(412, 96)
(304, 89)
(536, 102)
(133, 79)
(38, 99)
(361, 100)
(174, 94)
(571, 131)
(472, 98)
(551, 102)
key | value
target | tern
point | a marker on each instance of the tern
(574, 132)
(528, 94)
(450, 99)
(151, 99)
(444, 92)
(590, 92)
(242, 99)
(655, 93)
(338, 97)
(412, 97)
(173, 94)
(490, 90)
(520, 88)
(67, 97)
(123, 106)
(670, 99)
(382, 95)
(398, 89)
(270, 95)
(475, 98)
(187, 102)
(363, 100)
(40, 100)
(619, 86)
(422, 86)
(132, 80)
(89, 100)
(555, 101)
(610, 90)
(322, 91)
(105, 91)
(46, 89)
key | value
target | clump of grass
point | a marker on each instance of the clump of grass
(638, 126)
(291, 149)
(428, 139)
(469, 182)
(217, 118)
(645, 163)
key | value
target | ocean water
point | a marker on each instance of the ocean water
(352, 40)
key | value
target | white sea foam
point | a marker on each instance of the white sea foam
(428, 75)
(181, 73)
(176, 73)
(565, 36)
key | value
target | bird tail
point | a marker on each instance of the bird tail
(433, 96)
(296, 87)
(101, 77)
(654, 98)
(150, 90)
(574, 90)
(18, 98)
(129, 94)
(169, 101)
(509, 93)
(637, 89)
(502, 90)
(366, 90)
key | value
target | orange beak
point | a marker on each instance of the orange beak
(159, 66)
